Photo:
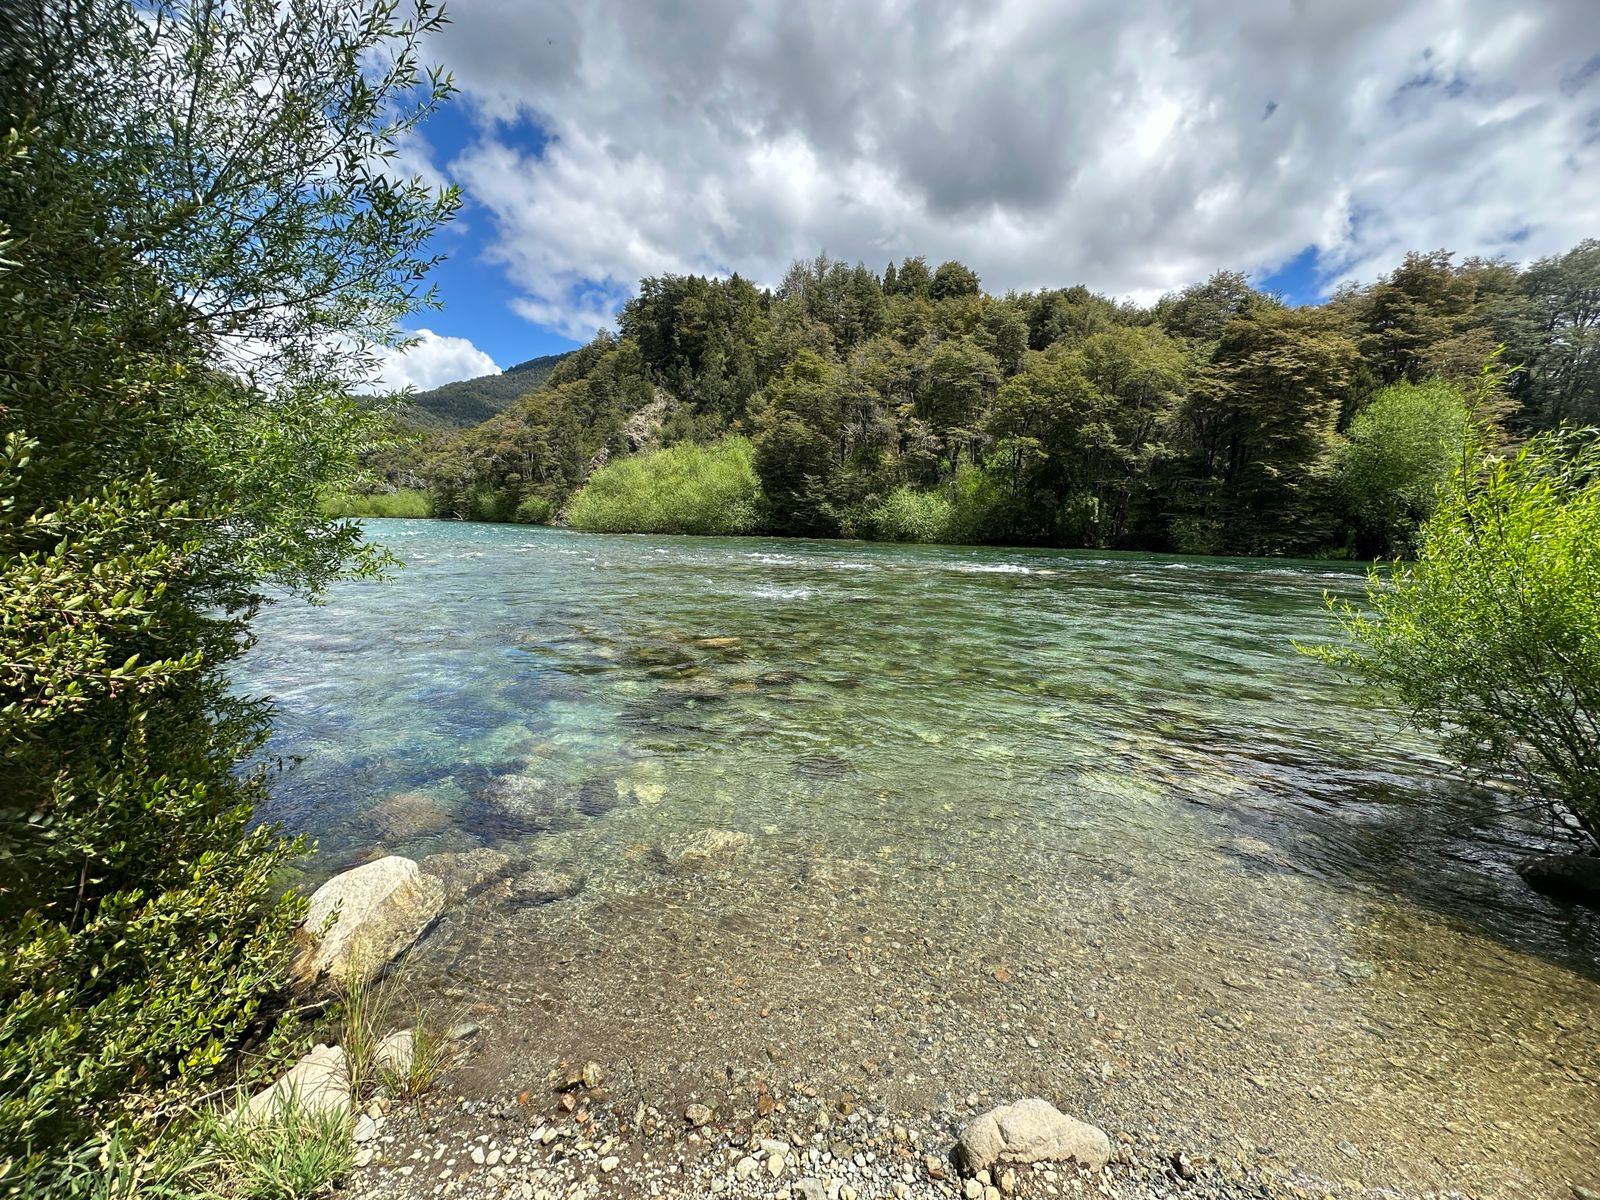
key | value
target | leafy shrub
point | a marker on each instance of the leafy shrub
(908, 515)
(402, 502)
(147, 499)
(1492, 635)
(534, 510)
(1402, 448)
(683, 489)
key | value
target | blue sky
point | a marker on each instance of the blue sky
(1134, 146)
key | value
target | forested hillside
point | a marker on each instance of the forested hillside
(472, 401)
(912, 405)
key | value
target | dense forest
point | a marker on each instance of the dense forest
(912, 405)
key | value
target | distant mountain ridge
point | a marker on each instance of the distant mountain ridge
(469, 402)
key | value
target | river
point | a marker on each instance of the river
(910, 823)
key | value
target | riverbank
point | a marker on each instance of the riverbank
(804, 1148)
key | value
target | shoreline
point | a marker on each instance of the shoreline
(525, 1147)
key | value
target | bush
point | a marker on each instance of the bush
(1492, 636)
(534, 510)
(683, 489)
(402, 502)
(908, 515)
(1402, 449)
(149, 495)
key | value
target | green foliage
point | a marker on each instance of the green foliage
(195, 274)
(534, 510)
(401, 502)
(682, 489)
(1492, 635)
(1402, 448)
(1216, 421)
(292, 1152)
(907, 515)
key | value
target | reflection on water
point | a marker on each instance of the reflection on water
(915, 800)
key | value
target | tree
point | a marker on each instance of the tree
(204, 246)
(1202, 311)
(1402, 449)
(956, 387)
(1423, 302)
(915, 278)
(953, 279)
(1562, 381)
(1492, 636)
(1261, 425)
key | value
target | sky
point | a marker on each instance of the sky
(1135, 146)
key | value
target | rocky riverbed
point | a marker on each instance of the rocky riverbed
(906, 825)
(807, 1146)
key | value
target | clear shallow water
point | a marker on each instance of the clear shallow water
(975, 792)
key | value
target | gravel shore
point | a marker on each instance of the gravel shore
(801, 1146)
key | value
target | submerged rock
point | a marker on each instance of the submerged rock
(534, 805)
(319, 1082)
(465, 873)
(597, 797)
(1570, 876)
(403, 818)
(540, 883)
(704, 850)
(359, 921)
(1032, 1130)
(527, 802)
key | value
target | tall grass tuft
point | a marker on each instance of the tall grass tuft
(292, 1152)
(685, 488)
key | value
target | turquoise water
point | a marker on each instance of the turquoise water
(1037, 750)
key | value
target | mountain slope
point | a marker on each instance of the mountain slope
(470, 402)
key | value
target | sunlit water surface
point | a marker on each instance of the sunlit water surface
(1075, 823)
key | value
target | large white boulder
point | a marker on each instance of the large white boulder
(1032, 1130)
(319, 1082)
(361, 920)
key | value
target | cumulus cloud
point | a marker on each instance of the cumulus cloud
(1133, 145)
(432, 360)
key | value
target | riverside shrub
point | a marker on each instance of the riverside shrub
(1492, 634)
(193, 269)
(685, 488)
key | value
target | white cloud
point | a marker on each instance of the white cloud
(434, 359)
(1133, 145)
